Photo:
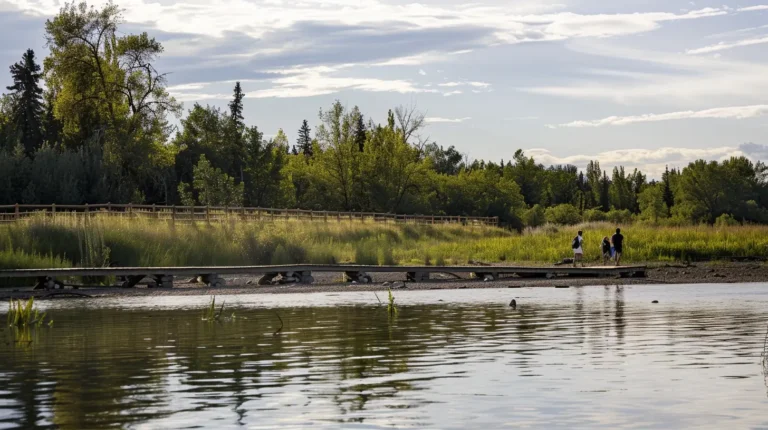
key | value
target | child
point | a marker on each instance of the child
(606, 248)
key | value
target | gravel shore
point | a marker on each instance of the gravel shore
(658, 273)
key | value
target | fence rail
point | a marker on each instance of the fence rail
(13, 213)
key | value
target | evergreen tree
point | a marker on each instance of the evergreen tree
(51, 125)
(669, 199)
(360, 133)
(605, 194)
(28, 110)
(304, 141)
(236, 106)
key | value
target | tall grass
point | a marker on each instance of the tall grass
(102, 240)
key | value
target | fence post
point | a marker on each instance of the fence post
(153, 211)
(86, 210)
(130, 210)
(53, 210)
(16, 211)
(207, 213)
(109, 208)
(173, 213)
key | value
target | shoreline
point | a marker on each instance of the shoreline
(657, 273)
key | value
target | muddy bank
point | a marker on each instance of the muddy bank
(329, 282)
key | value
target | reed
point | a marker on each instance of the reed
(22, 315)
(391, 307)
(103, 240)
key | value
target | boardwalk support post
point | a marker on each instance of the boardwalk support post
(418, 276)
(164, 281)
(358, 277)
(212, 280)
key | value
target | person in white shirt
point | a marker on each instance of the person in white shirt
(578, 249)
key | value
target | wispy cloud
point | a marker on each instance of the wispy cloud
(753, 8)
(302, 82)
(723, 46)
(736, 112)
(434, 120)
(673, 80)
(452, 93)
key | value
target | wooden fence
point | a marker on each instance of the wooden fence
(12, 213)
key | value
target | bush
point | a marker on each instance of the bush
(535, 216)
(726, 220)
(594, 215)
(563, 214)
(623, 216)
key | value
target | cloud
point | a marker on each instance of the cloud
(434, 120)
(670, 79)
(736, 112)
(753, 8)
(422, 72)
(722, 46)
(301, 82)
(651, 161)
(452, 93)
(404, 33)
(755, 151)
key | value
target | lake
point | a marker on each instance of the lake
(597, 357)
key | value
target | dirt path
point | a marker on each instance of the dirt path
(327, 282)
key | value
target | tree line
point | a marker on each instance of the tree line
(93, 125)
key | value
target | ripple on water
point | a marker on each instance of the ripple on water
(470, 361)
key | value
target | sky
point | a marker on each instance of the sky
(641, 84)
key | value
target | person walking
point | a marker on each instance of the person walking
(618, 245)
(578, 249)
(605, 247)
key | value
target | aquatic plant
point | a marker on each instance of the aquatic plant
(22, 314)
(391, 307)
(210, 314)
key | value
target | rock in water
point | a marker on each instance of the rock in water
(655, 301)
(513, 304)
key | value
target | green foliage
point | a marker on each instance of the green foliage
(391, 307)
(22, 315)
(651, 202)
(619, 216)
(535, 216)
(213, 187)
(27, 109)
(594, 215)
(565, 214)
(726, 220)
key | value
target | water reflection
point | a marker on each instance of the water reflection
(590, 358)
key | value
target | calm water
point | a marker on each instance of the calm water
(566, 358)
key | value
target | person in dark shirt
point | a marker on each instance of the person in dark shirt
(618, 245)
(606, 248)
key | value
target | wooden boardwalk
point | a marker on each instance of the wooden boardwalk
(302, 273)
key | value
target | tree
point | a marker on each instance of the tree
(360, 135)
(444, 161)
(651, 201)
(236, 106)
(107, 87)
(28, 102)
(213, 187)
(669, 198)
(528, 175)
(304, 141)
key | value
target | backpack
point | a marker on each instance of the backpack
(576, 244)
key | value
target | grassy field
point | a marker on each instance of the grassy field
(72, 242)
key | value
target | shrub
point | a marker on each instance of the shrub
(535, 216)
(726, 220)
(594, 215)
(623, 216)
(563, 214)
